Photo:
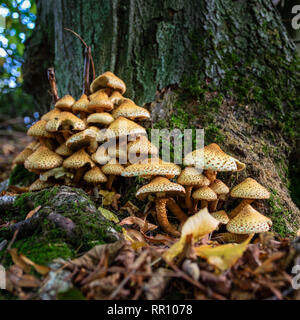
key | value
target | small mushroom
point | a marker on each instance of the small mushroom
(65, 103)
(112, 169)
(38, 130)
(81, 106)
(191, 177)
(249, 221)
(140, 149)
(29, 149)
(249, 190)
(40, 185)
(100, 102)
(108, 80)
(102, 118)
(101, 156)
(162, 188)
(116, 98)
(205, 194)
(128, 109)
(95, 176)
(51, 114)
(63, 150)
(220, 216)
(220, 189)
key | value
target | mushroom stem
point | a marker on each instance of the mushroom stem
(188, 198)
(93, 146)
(79, 173)
(162, 218)
(204, 204)
(176, 210)
(52, 81)
(213, 205)
(110, 181)
(195, 205)
(46, 142)
(238, 208)
(59, 138)
(210, 175)
(66, 134)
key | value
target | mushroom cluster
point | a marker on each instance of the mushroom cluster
(96, 138)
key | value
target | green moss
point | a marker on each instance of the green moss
(71, 294)
(21, 176)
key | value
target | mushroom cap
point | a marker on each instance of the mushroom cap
(101, 156)
(65, 103)
(65, 118)
(51, 114)
(219, 187)
(43, 159)
(124, 127)
(128, 109)
(95, 175)
(22, 156)
(33, 145)
(160, 185)
(57, 173)
(118, 150)
(39, 185)
(113, 167)
(101, 117)
(250, 189)
(191, 176)
(82, 138)
(152, 167)
(78, 160)
(248, 221)
(99, 102)
(204, 193)
(63, 150)
(108, 79)
(116, 98)
(142, 146)
(221, 216)
(213, 159)
(81, 105)
(38, 129)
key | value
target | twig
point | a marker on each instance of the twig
(86, 81)
(52, 81)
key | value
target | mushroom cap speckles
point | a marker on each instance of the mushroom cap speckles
(51, 114)
(142, 146)
(65, 118)
(124, 127)
(65, 103)
(104, 118)
(43, 159)
(39, 185)
(204, 193)
(83, 138)
(160, 185)
(128, 109)
(63, 150)
(22, 156)
(108, 79)
(152, 167)
(78, 160)
(248, 221)
(100, 102)
(250, 189)
(213, 159)
(95, 175)
(101, 156)
(219, 187)
(81, 105)
(192, 177)
(38, 129)
(116, 98)
(113, 167)
(221, 216)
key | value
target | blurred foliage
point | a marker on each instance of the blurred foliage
(17, 20)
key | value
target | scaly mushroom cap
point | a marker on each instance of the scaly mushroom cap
(160, 185)
(108, 79)
(65, 118)
(22, 156)
(248, 221)
(57, 173)
(213, 159)
(204, 193)
(63, 150)
(78, 160)
(221, 216)
(113, 167)
(43, 159)
(101, 156)
(101, 118)
(39, 185)
(51, 114)
(33, 145)
(152, 167)
(128, 109)
(116, 98)
(83, 138)
(95, 175)
(124, 127)
(39, 130)
(100, 102)
(250, 189)
(81, 105)
(142, 146)
(192, 177)
(219, 187)
(65, 103)
(118, 150)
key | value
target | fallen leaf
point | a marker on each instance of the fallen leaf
(145, 226)
(157, 284)
(130, 208)
(108, 197)
(109, 215)
(43, 270)
(18, 261)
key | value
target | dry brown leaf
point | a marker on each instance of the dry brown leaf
(145, 226)
(130, 208)
(43, 270)
(108, 197)
(157, 284)
(18, 261)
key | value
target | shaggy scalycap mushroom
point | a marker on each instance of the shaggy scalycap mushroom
(63, 150)
(65, 103)
(81, 106)
(78, 160)
(95, 176)
(51, 114)
(124, 127)
(38, 130)
(108, 80)
(116, 98)
(65, 119)
(141, 147)
(100, 102)
(103, 118)
(128, 109)
(221, 216)
(39, 185)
